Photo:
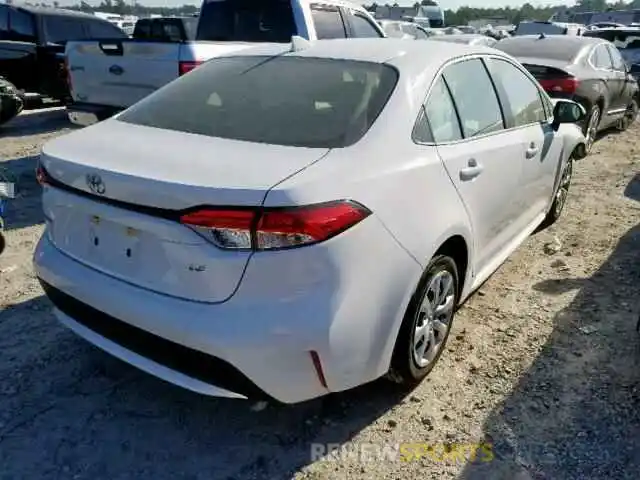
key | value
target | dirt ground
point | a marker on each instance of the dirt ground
(543, 366)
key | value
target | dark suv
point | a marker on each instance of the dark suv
(32, 42)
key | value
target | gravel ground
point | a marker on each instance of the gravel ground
(542, 366)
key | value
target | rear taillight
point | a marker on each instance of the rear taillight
(560, 85)
(42, 176)
(275, 228)
(186, 67)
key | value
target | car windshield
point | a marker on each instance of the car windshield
(246, 21)
(549, 48)
(294, 101)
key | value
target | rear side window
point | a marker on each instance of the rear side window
(441, 114)
(328, 22)
(294, 101)
(190, 27)
(474, 97)
(601, 59)
(246, 21)
(21, 27)
(104, 30)
(520, 97)
(142, 29)
(361, 27)
(64, 29)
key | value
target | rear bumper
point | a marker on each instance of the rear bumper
(85, 114)
(248, 346)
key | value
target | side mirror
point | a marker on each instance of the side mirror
(567, 111)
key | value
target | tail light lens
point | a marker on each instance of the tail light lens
(275, 228)
(186, 67)
(42, 176)
(560, 85)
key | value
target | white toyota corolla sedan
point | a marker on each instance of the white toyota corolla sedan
(294, 220)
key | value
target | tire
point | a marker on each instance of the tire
(629, 115)
(3, 243)
(408, 367)
(590, 129)
(560, 196)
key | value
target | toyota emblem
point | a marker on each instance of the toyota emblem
(95, 184)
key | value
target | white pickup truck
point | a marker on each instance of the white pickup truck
(107, 76)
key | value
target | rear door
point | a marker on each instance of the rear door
(483, 160)
(629, 85)
(600, 60)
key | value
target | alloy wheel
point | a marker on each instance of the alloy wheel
(434, 318)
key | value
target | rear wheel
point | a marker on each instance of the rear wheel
(427, 322)
(630, 116)
(590, 129)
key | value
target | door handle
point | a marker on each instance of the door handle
(471, 171)
(532, 151)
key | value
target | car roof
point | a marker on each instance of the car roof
(57, 12)
(403, 53)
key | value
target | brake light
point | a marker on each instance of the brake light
(560, 85)
(42, 176)
(186, 67)
(275, 228)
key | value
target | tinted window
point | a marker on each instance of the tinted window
(4, 21)
(64, 29)
(536, 28)
(328, 22)
(142, 29)
(171, 31)
(616, 59)
(190, 27)
(441, 114)
(104, 30)
(21, 26)
(520, 97)
(600, 58)
(247, 21)
(474, 97)
(296, 101)
(361, 27)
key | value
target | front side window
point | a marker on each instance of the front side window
(601, 59)
(520, 97)
(441, 114)
(328, 22)
(21, 26)
(64, 29)
(474, 97)
(361, 27)
(246, 21)
(293, 101)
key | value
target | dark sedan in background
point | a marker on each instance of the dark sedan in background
(588, 70)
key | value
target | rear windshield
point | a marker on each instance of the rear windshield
(535, 28)
(246, 21)
(294, 101)
(549, 48)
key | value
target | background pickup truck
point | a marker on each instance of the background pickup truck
(32, 43)
(110, 75)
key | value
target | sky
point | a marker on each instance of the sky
(447, 4)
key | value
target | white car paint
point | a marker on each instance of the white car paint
(264, 312)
